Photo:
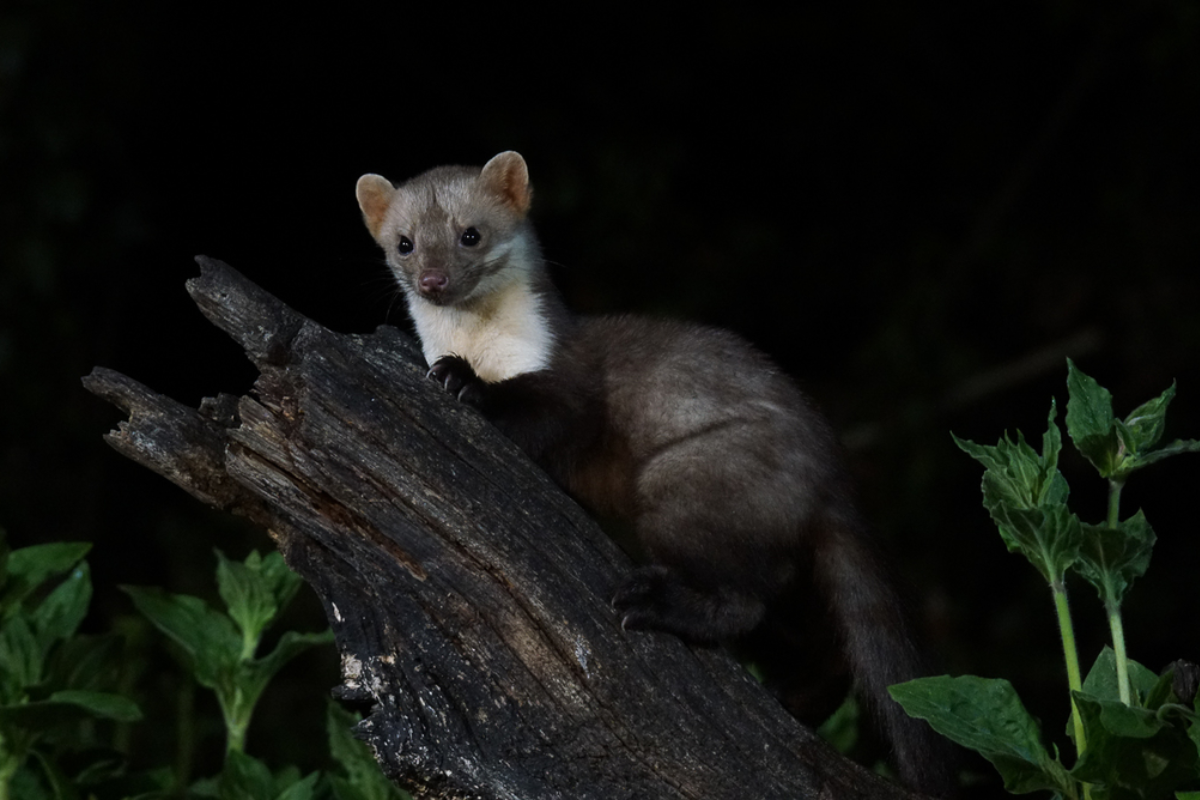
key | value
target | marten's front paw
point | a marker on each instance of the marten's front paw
(640, 599)
(458, 378)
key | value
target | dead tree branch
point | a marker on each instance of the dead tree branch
(468, 594)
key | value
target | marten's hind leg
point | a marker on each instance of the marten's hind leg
(657, 597)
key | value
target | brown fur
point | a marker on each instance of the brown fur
(732, 480)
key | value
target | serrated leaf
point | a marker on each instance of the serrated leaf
(1129, 748)
(1161, 692)
(1154, 456)
(1026, 496)
(364, 780)
(345, 790)
(29, 567)
(841, 729)
(245, 778)
(280, 578)
(301, 789)
(1016, 475)
(290, 645)
(343, 747)
(38, 562)
(4, 551)
(256, 591)
(250, 602)
(87, 662)
(1049, 537)
(987, 716)
(1144, 425)
(104, 705)
(1118, 719)
(29, 784)
(1101, 680)
(1090, 421)
(208, 639)
(59, 614)
(1112, 558)
(247, 679)
(67, 707)
(60, 786)
(21, 657)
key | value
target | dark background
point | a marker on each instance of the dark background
(919, 211)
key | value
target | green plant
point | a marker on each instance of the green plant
(219, 649)
(1134, 736)
(52, 681)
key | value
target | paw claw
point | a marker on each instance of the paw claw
(455, 375)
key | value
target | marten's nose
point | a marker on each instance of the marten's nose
(433, 282)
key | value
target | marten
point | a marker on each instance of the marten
(733, 482)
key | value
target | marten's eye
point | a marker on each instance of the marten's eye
(404, 246)
(470, 237)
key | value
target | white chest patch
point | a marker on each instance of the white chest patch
(505, 337)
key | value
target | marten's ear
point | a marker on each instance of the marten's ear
(507, 177)
(374, 194)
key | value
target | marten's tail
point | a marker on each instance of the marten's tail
(876, 637)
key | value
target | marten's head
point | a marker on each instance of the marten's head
(451, 233)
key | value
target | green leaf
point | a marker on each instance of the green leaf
(4, 552)
(1026, 496)
(59, 615)
(290, 645)
(66, 707)
(1090, 421)
(1163, 691)
(1117, 448)
(1144, 426)
(29, 567)
(21, 657)
(842, 727)
(364, 780)
(280, 578)
(1112, 558)
(250, 601)
(1131, 749)
(59, 785)
(38, 562)
(345, 790)
(245, 778)
(210, 643)
(987, 716)
(1101, 680)
(1016, 475)
(255, 591)
(301, 789)
(103, 705)
(1049, 537)
(1154, 456)
(88, 662)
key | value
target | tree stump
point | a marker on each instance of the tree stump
(468, 594)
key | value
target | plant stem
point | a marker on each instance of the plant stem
(237, 719)
(185, 725)
(1118, 638)
(1074, 680)
(1071, 656)
(1114, 501)
(8, 768)
(1113, 609)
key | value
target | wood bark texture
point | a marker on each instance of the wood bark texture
(468, 594)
